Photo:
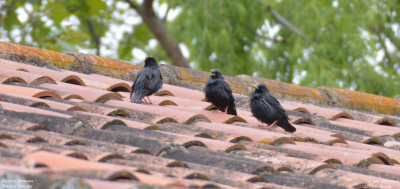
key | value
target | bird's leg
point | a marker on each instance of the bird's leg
(272, 125)
(149, 99)
(144, 99)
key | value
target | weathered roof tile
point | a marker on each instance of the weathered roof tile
(28, 91)
(90, 94)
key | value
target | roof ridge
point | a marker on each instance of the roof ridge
(195, 79)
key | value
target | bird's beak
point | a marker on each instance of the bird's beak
(212, 71)
(253, 85)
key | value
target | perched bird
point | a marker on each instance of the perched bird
(147, 82)
(219, 93)
(267, 109)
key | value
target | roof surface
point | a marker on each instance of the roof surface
(65, 123)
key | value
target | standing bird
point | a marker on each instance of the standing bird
(219, 93)
(267, 109)
(147, 82)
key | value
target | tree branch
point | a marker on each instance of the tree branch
(166, 14)
(132, 5)
(160, 31)
(286, 23)
(382, 42)
(95, 36)
(148, 5)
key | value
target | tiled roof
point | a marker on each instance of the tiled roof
(63, 124)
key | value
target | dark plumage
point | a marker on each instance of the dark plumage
(219, 93)
(267, 109)
(147, 82)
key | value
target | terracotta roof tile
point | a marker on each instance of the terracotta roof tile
(20, 108)
(101, 184)
(29, 78)
(256, 135)
(4, 79)
(393, 154)
(295, 107)
(347, 156)
(328, 113)
(360, 180)
(90, 94)
(38, 102)
(62, 162)
(181, 92)
(317, 135)
(193, 130)
(83, 125)
(101, 82)
(394, 169)
(372, 129)
(171, 100)
(57, 75)
(216, 116)
(180, 116)
(28, 91)
(236, 179)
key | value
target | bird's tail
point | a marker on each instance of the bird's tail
(289, 127)
(137, 98)
(232, 109)
(131, 93)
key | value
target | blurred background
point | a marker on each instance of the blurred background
(349, 44)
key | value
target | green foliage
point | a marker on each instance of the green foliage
(55, 36)
(346, 44)
(220, 33)
(340, 41)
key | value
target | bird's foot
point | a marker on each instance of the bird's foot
(149, 100)
(270, 126)
(145, 101)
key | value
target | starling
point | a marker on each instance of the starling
(267, 109)
(219, 93)
(147, 82)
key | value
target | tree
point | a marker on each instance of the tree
(160, 31)
(346, 44)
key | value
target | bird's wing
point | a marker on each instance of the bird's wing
(140, 81)
(216, 93)
(226, 86)
(276, 105)
(264, 111)
(231, 99)
(154, 81)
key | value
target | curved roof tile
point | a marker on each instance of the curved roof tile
(29, 78)
(180, 116)
(21, 108)
(28, 91)
(257, 135)
(103, 83)
(4, 79)
(89, 94)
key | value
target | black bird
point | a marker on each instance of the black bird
(147, 82)
(267, 109)
(219, 93)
